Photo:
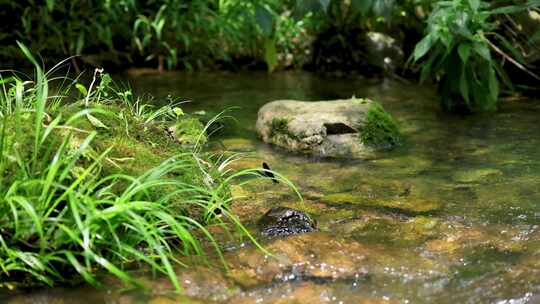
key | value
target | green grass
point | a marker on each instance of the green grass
(97, 186)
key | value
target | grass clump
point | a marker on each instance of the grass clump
(189, 131)
(380, 129)
(99, 186)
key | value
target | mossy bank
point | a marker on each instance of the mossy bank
(100, 182)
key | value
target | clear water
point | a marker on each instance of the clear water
(483, 245)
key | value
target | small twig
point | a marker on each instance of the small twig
(96, 71)
(512, 60)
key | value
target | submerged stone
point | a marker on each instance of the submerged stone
(326, 256)
(475, 176)
(409, 204)
(383, 51)
(282, 221)
(354, 128)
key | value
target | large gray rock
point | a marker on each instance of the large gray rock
(384, 51)
(339, 128)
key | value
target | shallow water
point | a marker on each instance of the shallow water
(479, 244)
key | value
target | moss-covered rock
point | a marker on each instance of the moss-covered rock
(353, 128)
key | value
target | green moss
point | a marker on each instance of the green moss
(136, 146)
(380, 130)
(279, 126)
(410, 205)
(189, 131)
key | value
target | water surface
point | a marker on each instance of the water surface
(480, 245)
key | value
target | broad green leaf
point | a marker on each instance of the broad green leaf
(423, 46)
(270, 54)
(265, 20)
(493, 85)
(464, 51)
(509, 9)
(475, 4)
(427, 67)
(482, 50)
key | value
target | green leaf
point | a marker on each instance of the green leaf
(82, 89)
(423, 46)
(464, 51)
(178, 111)
(265, 20)
(96, 122)
(50, 5)
(493, 85)
(483, 50)
(427, 67)
(475, 4)
(270, 54)
(512, 9)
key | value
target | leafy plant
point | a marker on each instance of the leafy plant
(457, 51)
(148, 34)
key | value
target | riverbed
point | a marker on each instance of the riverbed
(450, 216)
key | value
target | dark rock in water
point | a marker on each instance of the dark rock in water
(282, 221)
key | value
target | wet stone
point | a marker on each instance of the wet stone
(283, 221)
(477, 175)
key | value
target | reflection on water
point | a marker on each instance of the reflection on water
(478, 241)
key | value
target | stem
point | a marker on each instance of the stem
(96, 71)
(512, 60)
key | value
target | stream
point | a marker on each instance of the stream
(466, 228)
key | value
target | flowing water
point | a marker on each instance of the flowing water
(477, 241)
